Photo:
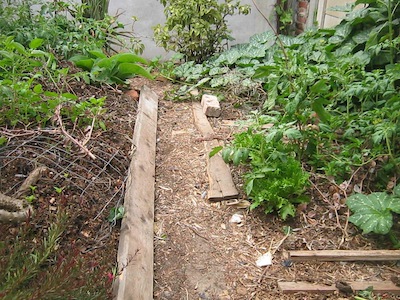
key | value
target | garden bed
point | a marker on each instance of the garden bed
(199, 252)
(77, 193)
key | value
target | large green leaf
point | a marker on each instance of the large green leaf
(129, 58)
(36, 43)
(362, 36)
(264, 71)
(232, 56)
(106, 63)
(262, 38)
(372, 213)
(127, 70)
(97, 54)
(255, 51)
(318, 106)
(292, 134)
(83, 62)
(320, 87)
(273, 81)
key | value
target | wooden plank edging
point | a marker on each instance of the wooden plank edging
(378, 287)
(135, 251)
(222, 186)
(344, 255)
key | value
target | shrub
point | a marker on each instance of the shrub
(64, 27)
(197, 28)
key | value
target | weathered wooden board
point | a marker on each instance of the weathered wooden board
(345, 255)
(378, 287)
(220, 177)
(135, 251)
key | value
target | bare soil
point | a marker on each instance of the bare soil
(199, 253)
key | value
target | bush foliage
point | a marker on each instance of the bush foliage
(197, 28)
(332, 95)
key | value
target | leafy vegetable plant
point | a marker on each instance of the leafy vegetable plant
(112, 70)
(24, 100)
(338, 87)
(276, 181)
(373, 212)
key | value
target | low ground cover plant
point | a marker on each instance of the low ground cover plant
(47, 271)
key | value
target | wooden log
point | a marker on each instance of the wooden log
(135, 251)
(345, 255)
(222, 186)
(378, 287)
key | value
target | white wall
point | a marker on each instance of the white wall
(150, 13)
(328, 18)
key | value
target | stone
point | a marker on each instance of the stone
(210, 104)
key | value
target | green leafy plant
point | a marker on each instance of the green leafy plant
(66, 27)
(116, 213)
(23, 98)
(59, 190)
(197, 28)
(111, 70)
(367, 294)
(284, 15)
(373, 212)
(340, 87)
(30, 198)
(276, 181)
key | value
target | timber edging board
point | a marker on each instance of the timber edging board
(344, 255)
(135, 250)
(222, 186)
(297, 287)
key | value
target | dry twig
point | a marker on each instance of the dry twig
(75, 141)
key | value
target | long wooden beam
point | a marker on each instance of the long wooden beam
(222, 186)
(307, 287)
(135, 251)
(345, 255)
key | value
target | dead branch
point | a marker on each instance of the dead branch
(71, 138)
(31, 180)
(14, 209)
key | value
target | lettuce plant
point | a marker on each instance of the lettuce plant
(276, 181)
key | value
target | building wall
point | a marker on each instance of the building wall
(327, 18)
(150, 13)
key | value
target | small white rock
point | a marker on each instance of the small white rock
(210, 104)
(264, 260)
(236, 218)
